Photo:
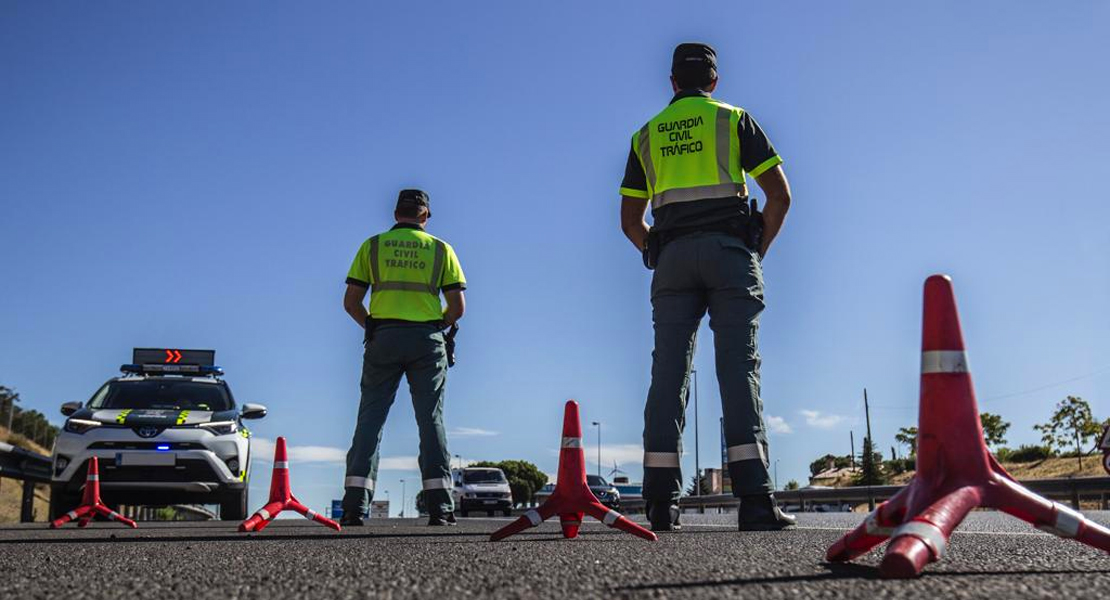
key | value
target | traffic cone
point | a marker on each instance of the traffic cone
(955, 471)
(91, 505)
(281, 497)
(572, 498)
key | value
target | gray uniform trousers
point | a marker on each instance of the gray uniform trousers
(695, 273)
(417, 352)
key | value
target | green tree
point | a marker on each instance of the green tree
(907, 436)
(791, 485)
(705, 490)
(872, 466)
(525, 478)
(1072, 423)
(821, 464)
(8, 398)
(994, 429)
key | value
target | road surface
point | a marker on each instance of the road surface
(991, 556)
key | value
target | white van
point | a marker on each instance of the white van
(481, 489)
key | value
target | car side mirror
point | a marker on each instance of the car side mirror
(253, 411)
(70, 407)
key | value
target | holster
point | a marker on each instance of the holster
(449, 342)
(652, 245)
(753, 229)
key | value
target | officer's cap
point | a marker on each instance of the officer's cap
(414, 198)
(695, 59)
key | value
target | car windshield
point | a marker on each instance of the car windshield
(596, 481)
(483, 477)
(167, 394)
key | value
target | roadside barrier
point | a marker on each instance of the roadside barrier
(955, 471)
(91, 504)
(281, 497)
(572, 498)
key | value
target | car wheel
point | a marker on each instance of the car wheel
(489, 513)
(233, 505)
(464, 513)
(508, 512)
(62, 501)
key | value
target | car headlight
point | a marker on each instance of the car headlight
(81, 425)
(221, 427)
(507, 495)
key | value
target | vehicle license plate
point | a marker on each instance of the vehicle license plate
(146, 459)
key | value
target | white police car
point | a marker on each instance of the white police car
(166, 432)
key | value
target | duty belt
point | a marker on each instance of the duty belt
(747, 227)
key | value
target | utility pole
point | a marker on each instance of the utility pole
(869, 461)
(697, 446)
(852, 440)
(402, 499)
(598, 425)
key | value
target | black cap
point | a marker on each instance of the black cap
(694, 59)
(414, 198)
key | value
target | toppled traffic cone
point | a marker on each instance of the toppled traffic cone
(281, 497)
(572, 497)
(91, 505)
(955, 471)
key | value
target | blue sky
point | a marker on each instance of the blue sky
(201, 174)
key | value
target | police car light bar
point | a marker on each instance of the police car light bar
(172, 360)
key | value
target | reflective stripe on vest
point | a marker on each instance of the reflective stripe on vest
(432, 287)
(725, 184)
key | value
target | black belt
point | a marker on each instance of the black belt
(748, 227)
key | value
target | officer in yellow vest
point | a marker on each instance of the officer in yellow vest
(405, 269)
(706, 246)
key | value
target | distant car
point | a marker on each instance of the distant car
(481, 489)
(166, 432)
(605, 492)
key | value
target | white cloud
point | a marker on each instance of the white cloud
(398, 463)
(263, 449)
(777, 425)
(470, 432)
(814, 418)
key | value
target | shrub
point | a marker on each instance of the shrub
(1027, 453)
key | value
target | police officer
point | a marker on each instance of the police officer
(689, 162)
(405, 269)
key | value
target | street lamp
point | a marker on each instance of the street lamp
(459, 459)
(598, 425)
(402, 498)
(697, 445)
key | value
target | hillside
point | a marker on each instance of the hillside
(1042, 469)
(11, 490)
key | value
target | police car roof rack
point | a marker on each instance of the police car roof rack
(150, 361)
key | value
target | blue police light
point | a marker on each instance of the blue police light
(162, 447)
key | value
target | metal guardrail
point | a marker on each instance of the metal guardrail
(29, 467)
(1070, 489)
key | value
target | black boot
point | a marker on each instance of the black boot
(447, 520)
(663, 516)
(760, 513)
(350, 519)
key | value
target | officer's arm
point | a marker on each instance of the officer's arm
(633, 224)
(777, 189)
(456, 305)
(352, 303)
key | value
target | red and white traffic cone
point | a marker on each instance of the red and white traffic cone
(955, 471)
(281, 497)
(572, 496)
(91, 505)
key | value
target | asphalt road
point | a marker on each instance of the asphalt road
(992, 556)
